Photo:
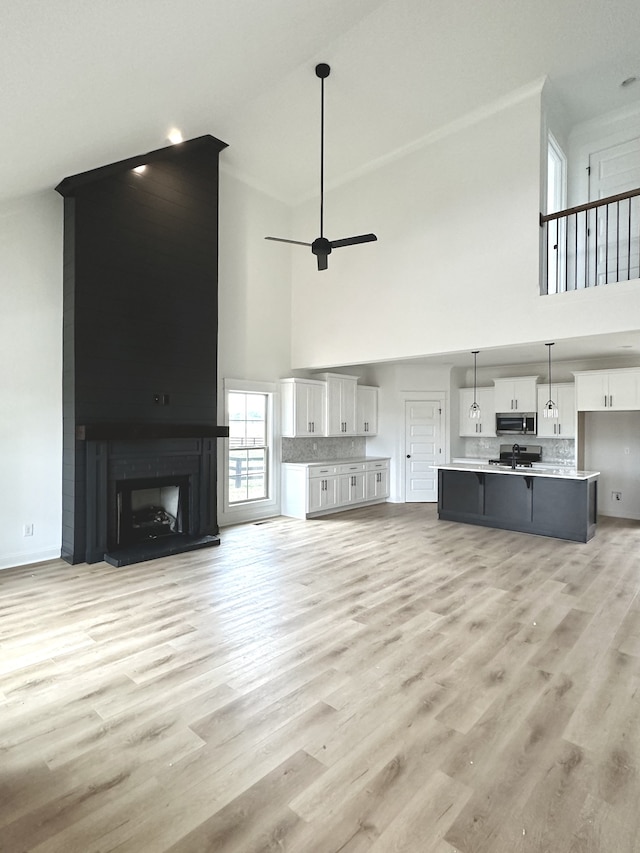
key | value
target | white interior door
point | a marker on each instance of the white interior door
(615, 170)
(423, 449)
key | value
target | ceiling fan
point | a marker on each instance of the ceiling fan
(321, 247)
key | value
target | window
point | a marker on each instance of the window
(556, 176)
(248, 455)
(556, 201)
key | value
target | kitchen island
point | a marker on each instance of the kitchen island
(558, 502)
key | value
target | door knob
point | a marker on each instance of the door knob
(408, 456)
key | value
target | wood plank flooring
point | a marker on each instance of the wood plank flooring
(376, 680)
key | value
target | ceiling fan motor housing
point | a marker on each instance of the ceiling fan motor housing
(321, 246)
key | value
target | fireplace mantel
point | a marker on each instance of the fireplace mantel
(147, 432)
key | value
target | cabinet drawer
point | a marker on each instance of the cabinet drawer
(351, 468)
(377, 466)
(322, 471)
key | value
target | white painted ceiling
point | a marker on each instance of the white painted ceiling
(83, 84)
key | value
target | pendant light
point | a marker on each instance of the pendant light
(474, 408)
(550, 409)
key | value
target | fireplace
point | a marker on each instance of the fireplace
(150, 509)
(150, 492)
(140, 356)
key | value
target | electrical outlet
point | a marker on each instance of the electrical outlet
(616, 496)
(27, 530)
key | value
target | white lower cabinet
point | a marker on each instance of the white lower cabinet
(377, 484)
(310, 489)
(323, 493)
(352, 485)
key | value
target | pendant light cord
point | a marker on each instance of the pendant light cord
(475, 383)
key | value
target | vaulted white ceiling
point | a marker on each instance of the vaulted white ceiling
(83, 84)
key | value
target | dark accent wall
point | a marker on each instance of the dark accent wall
(140, 306)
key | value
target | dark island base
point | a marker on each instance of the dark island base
(546, 506)
(154, 548)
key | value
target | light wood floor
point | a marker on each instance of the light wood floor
(373, 681)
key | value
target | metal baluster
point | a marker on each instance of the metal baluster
(606, 247)
(557, 251)
(617, 241)
(595, 265)
(586, 249)
(575, 257)
(629, 246)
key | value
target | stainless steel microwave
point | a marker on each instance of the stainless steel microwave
(523, 423)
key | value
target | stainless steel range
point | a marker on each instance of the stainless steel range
(518, 455)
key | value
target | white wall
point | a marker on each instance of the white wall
(612, 446)
(612, 129)
(254, 297)
(397, 384)
(457, 257)
(31, 378)
(254, 308)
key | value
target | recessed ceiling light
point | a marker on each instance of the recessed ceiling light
(628, 82)
(140, 169)
(175, 137)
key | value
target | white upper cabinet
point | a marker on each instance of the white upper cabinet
(367, 410)
(604, 390)
(303, 407)
(564, 426)
(516, 395)
(484, 425)
(341, 403)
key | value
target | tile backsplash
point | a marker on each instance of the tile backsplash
(323, 449)
(555, 451)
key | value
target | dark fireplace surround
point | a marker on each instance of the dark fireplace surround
(140, 355)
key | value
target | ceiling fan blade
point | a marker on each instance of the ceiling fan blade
(323, 262)
(352, 241)
(283, 240)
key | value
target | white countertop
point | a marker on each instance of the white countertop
(355, 460)
(539, 470)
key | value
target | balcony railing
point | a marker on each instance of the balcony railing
(591, 244)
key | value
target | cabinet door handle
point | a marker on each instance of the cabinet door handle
(559, 428)
(611, 399)
(605, 401)
(516, 405)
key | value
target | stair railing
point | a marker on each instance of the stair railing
(591, 244)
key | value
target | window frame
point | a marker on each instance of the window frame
(556, 263)
(253, 508)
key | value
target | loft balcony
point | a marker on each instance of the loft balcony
(592, 244)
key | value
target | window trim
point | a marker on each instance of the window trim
(265, 507)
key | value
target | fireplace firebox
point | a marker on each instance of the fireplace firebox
(150, 509)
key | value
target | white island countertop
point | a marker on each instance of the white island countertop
(559, 473)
